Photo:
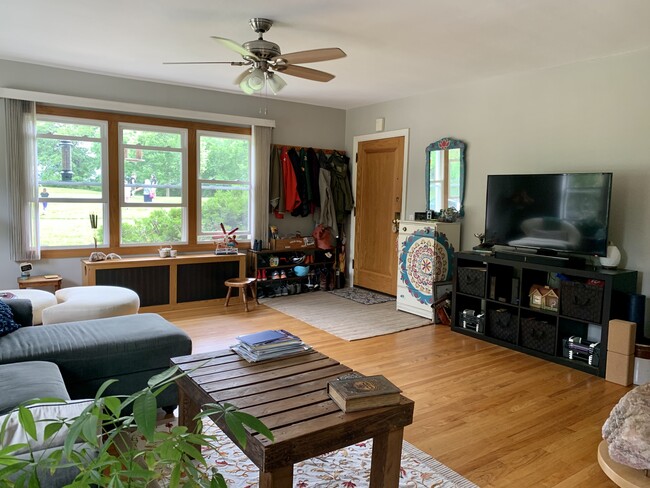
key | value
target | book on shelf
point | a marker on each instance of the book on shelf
(353, 392)
(269, 344)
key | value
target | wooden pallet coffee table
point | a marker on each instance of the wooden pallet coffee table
(290, 396)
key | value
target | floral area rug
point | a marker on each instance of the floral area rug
(345, 468)
(360, 295)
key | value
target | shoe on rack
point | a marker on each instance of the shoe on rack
(298, 288)
(277, 292)
(263, 275)
(291, 288)
(260, 292)
(284, 291)
(283, 275)
(275, 275)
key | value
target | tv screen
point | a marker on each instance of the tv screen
(555, 212)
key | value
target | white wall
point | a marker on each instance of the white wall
(296, 124)
(591, 116)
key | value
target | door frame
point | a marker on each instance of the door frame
(355, 150)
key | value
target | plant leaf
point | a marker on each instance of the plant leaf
(237, 428)
(144, 412)
(102, 388)
(162, 377)
(254, 423)
(114, 405)
(51, 429)
(26, 419)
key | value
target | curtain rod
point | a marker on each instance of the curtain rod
(93, 103)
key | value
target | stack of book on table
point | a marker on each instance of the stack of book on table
(269, 344)
(354, 391)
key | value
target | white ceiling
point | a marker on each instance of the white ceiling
(395, 48)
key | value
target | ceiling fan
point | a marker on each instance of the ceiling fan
(266, 60)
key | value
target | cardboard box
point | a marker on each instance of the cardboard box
(620, 368)
(292, 243)
(621, 337)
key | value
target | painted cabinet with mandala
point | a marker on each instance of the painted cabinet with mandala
(426, 255)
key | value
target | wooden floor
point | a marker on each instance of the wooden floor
(498, 417)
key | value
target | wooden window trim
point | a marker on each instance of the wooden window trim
(113, 119)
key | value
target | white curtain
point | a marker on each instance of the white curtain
(22, 179)
(261, 157)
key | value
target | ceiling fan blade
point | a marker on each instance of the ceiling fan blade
(232, 63)
(307, 73)
(312, 56)
(233, 46)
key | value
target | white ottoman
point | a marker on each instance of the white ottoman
(91, 302)
(40, 299)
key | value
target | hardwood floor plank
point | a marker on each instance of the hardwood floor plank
(498, 417)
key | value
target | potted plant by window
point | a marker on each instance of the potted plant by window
(113, 442)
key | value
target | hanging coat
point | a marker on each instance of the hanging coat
(341, 187)
(327, 211)
(302, 209)
(291, 197)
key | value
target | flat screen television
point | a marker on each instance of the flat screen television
(550, 213)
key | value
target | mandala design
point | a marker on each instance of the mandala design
(426, 257)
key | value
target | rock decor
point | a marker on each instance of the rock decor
(627, 430)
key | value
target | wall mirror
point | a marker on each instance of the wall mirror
(445, 175)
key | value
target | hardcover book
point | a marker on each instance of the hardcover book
(360, 393)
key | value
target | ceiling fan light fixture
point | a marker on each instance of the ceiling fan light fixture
(275, 82)
(244, 86)
(255, 79)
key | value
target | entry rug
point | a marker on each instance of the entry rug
(360, 295)
(346, 468)
(344, 318)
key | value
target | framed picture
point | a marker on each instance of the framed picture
(442, 302)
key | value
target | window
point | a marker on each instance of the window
(224, 184)
(153, 199)
(72, 169)
(135, 173)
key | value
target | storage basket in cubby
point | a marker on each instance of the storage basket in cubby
(581, 300)
(471, 281)
(538, 335)
(502, 325)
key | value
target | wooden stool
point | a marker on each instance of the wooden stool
(245, 284)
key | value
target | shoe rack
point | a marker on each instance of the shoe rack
(276, 271)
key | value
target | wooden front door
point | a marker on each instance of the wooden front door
(378, 201)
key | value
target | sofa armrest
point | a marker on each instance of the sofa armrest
(22, 310)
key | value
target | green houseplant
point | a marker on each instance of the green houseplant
(100, 443)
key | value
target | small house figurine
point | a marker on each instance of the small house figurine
(544, 297)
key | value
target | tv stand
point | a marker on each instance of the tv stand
(500, 288)
(571, 262)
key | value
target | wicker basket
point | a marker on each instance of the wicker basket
(581, 301)
(538, 335)
(471, 281)
(502, 325)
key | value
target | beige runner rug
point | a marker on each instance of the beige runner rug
(345, 318)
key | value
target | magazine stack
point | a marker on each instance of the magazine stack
(269, 344)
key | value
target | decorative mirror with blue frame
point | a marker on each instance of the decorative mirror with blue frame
(445, 175)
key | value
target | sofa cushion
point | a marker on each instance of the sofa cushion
(20, 382)
(42, 413)
(7, 322)
(129, 348)
(22, 310)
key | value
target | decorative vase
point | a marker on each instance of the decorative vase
(613, 257)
